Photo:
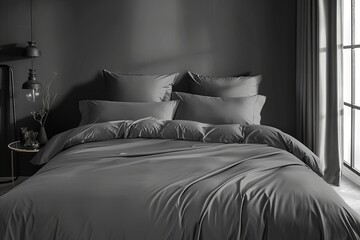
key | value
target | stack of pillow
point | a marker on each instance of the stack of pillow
(213, 100)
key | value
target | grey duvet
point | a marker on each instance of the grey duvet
(153, 179)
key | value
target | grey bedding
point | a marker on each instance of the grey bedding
(153, 179)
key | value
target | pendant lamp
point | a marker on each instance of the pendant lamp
(32, 52)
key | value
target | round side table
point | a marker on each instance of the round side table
(17, 146)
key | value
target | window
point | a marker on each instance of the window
(351, 81)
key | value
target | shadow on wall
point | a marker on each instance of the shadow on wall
(11, 52)
(208, 37)
(66, 115)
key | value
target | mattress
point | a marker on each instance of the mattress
(142, 180)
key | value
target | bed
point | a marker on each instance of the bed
(156, 178)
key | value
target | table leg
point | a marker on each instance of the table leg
(12, 169)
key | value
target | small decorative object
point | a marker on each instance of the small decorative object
(30, 139)
(23, 131)
(42, 136)
(41, 115)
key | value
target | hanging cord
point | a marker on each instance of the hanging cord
(31, 30)
(31, 21)
(12, 87)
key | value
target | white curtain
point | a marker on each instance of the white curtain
(319, 82)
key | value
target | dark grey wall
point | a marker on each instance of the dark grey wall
(218, 37)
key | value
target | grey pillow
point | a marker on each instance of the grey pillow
(95, 111)
(219, 110)
(138, 87)
(242, 86)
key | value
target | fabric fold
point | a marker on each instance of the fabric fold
(179, 130)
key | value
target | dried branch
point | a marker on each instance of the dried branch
(47, 102)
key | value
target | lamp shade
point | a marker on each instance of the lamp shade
(31, 83)
(31, 50)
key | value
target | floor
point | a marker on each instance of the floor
(348, 190)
